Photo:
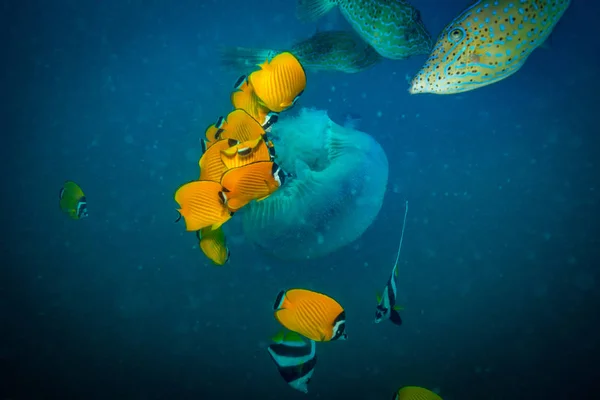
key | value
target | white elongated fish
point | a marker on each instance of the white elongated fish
(386, 303)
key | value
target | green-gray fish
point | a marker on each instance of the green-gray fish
(486, 43)
(324, 51)
(393, 27)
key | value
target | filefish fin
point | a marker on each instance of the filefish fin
(312, 10)
(378, 298)
(395, 317)
(398, 308)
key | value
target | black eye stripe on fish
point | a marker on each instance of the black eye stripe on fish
(240, 82)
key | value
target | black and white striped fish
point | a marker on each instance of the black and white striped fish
(386, 302)
(295, 358)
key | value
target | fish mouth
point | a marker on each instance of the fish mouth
(413, 89)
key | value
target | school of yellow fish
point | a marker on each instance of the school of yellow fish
(238, 161)
(487, 42)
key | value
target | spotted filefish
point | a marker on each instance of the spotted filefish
(392, 27)
(341, 51)
(486, 43)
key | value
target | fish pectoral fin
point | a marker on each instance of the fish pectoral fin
(398, 308)
(395, 317)
(378, 298)
(279, 337)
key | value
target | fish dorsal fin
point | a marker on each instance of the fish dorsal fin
(265, 66)
(401, 238)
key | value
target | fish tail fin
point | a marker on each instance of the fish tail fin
(312, 10)
(395, 317)
(243, 58)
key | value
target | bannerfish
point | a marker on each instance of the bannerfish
(202, 205)
(313, 315)
(279, 83)
(487, 42)
(213, 244)
(295, 358)
(392, 27)
(415, 393)
(386, 303)
(340, 51)
(244, 97)
(72, 201)
(255, 181)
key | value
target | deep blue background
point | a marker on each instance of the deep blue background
(499, 271)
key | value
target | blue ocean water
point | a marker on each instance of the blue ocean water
(499, 270)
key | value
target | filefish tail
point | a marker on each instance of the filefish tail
(312, 10)
(243, 58)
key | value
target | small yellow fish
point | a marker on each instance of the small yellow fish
(313, 315)
(255, 181)
(415, 393)
(72, 200)
(202, 205)
(279, 83)
(213, 244)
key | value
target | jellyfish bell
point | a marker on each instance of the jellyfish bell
(339, 178)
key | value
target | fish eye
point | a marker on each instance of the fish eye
(456, 34)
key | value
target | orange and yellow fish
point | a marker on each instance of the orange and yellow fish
(212, 167)
(255, 181)
(244, 97)
(237, 163)
(241, 126)
(313, 315)
(202, 204)
(279, 83)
